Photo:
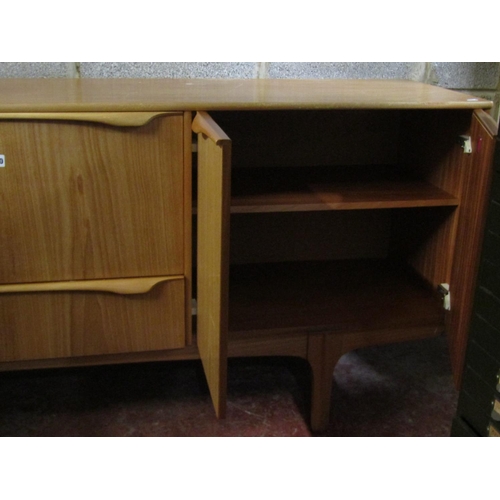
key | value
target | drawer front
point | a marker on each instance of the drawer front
(495, 186)
(487, 306)
(55, 324)
(484, 346)
(479, 390)
(469, 410)
(491, 248)
(486, 366)
(460, 428)
(489, 279)
(486, 402)
(84, 200)
(494, 217)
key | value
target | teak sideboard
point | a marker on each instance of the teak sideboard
(147, 220)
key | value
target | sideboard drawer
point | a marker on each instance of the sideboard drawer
(62, 323)
(85, 200)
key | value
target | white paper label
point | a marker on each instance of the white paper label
(2, 160)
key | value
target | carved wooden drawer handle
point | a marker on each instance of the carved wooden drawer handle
(126, 286)
(119, 119)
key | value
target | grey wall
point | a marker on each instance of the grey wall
(481, 79)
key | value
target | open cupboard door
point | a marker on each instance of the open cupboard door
(473, 206)
(213, 212)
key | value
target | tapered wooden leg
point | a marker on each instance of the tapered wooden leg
(323, 352)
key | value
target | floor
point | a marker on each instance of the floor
(397, 390)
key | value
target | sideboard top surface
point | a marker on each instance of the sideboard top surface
(91, 95)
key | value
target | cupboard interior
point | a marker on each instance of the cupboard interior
(341, 220)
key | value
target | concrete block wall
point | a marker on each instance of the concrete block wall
(481, 78)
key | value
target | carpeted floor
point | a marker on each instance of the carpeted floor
(397, 390)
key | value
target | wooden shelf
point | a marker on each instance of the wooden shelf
(339, 296)
(312, 189)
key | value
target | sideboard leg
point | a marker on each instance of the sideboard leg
(323, 352)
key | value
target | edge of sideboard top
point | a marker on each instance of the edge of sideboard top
(123, 94)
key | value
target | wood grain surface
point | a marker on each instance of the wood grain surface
(91, 201)
(330, 297)
(123, 94)
(214, 177)
(54, 324)
(473, 206)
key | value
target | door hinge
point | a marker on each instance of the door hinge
(465, 142)
(444, 290)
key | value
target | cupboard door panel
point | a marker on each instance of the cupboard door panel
(214, 164)
(84, 200)
(472, 210)
(54, 324)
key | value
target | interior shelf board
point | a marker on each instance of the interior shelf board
(292, 189)
(338, 296)
(344, 196)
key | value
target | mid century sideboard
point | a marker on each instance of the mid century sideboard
(202, 219)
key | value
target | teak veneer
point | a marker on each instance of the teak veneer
(304, 190)
(309, 219)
